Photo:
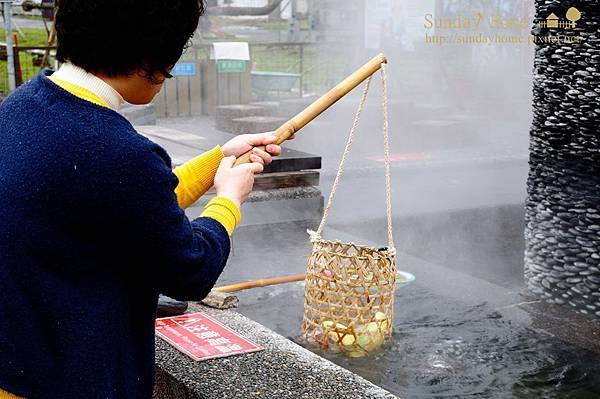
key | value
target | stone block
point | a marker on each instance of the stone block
(139, 114)
(289, 204)
(271, 108)
(256, 124)
(225, 114)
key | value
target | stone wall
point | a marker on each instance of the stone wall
(562, 258)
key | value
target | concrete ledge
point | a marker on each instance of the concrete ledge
(140, 114)
(256, 124)
(283, 370)
(284, 194)
(274, 206)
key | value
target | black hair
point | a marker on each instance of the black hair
(118, 37)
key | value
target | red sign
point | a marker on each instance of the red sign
(201, 337)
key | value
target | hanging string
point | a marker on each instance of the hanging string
(342, 164)
(344, 155)
(386, 145)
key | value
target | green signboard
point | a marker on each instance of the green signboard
(231, 66)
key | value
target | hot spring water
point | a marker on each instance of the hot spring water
(442, 347)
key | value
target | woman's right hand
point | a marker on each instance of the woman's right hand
(236, 182)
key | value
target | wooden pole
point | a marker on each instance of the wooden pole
(264, 282)
(292, 126)
(51, 40)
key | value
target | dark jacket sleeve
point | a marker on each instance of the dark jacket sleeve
(181, 258)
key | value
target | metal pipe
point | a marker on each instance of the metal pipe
(10, 51)
(30, 5)
(294, 24)
(247, 11)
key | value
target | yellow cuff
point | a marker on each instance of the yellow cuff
(224, 211)
(8, 395)
(197, 176)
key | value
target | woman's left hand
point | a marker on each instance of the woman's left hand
(243, 143)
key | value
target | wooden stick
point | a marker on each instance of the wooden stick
(292, 126)
(51, 39)
(264, 282)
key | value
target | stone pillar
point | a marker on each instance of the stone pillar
(562, 258)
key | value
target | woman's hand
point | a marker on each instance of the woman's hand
(236, 182)
(243, 143)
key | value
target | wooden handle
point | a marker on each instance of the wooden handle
(292, 126)
(264, 282)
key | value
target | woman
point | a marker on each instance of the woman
(92, 222)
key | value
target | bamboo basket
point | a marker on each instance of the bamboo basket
(349, 290)
(349, 296)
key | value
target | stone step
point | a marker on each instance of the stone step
(183, 146)
(263, 207)
(256, 124)
(271, 108)
(287, 190)
(291, 107)
(139, 114)
(225, 114)
(269, 181)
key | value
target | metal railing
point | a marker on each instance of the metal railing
(10, 65)
(318, 68)
(27, 61)
(312, 69)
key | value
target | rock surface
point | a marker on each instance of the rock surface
(562, 258)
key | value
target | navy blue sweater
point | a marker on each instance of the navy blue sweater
(90, 233)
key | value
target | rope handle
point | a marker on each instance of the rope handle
(340, 171)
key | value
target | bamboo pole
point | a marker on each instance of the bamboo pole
(292, 126)
(263, 282)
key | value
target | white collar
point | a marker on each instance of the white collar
(80, 77)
